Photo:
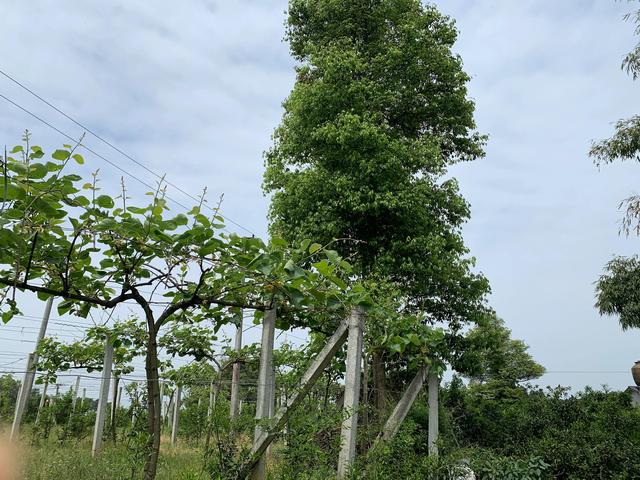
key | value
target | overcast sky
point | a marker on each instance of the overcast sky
(194, 89)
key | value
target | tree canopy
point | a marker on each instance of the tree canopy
(617, 287)
(378, 112)
(491, 354)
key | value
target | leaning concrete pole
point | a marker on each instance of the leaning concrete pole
(235, 375)
(176, 416)
(351, 393)
(104, 397)
(23, 395)
(30, 374)
(434, 386)
(404, 405)
(307, 381)
(264, 407)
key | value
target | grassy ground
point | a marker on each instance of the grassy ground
(74, 462)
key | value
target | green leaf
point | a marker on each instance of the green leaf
(78, 158)
(105, 201)
(314, 248)
(60, 155)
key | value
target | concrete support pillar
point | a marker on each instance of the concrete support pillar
(404, 405)
(76, 394)
(307, 382)
(43, 399)
(264, 405)
(103, 400)
(176, 415)
(30, 375)
(212, 400)
(235, 374)
(434, 387)
(23, 395)
(348, 433)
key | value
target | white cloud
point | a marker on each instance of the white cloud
(194, 89)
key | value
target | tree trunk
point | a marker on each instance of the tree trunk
(153, 405)
(379, 381)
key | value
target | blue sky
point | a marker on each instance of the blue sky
(194, 89)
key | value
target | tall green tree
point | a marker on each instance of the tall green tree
(491, 354)
(378, 113)
(616, 292)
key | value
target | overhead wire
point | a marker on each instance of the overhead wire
(114, 147)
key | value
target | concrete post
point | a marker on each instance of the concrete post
(351, 393)
(434, 386)
(23, 395)
(235, 375)
(76, 394)
(161, 401)
(170, 408)
(30, 374)
(84, 395)
(264, 406)
(176, 415)
(43, 398)
(114, 397)
(212, 399)
(103, 400)
(404, 405)
(307, 381)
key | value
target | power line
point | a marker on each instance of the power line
(120, 151)
(74, 140)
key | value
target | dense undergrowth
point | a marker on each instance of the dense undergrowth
(497, 431)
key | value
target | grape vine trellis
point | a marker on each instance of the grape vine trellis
(62, 238)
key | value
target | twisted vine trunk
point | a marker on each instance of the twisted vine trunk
(153, 405)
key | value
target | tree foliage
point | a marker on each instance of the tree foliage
(490, 354)
(378, 112)
(618, 291)
(625, 142)
(66, 239)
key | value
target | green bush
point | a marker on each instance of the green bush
(487, 466)
(589, 435)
